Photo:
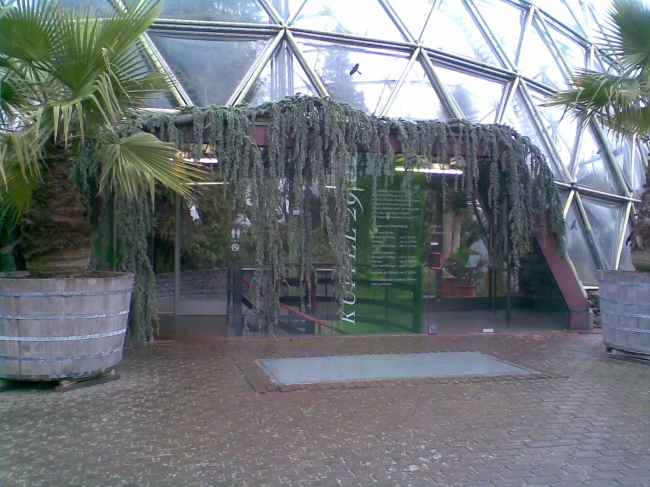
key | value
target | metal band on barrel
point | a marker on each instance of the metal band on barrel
(62, 338)
(65, 293)
(64, 317)
(623, 328)
(58, 359)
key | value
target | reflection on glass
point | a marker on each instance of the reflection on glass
(518, 117)
(561, 126)
(162, 100)
(283, 76)
(622, 150)
(477, 98)
(413, 14)
(209, 70)
(287, 8)
(640, 165)
(369, 85)
(452, 29)
(537, 62)
(591, 170)
(496, 14)
(223, 10)
(102, 5)
(365, 18)
(625, 264)
(579, 250)
(417, 100)
(606, 221)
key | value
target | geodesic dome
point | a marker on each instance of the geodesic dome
(489, 61)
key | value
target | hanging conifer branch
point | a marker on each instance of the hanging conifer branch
(310, 162)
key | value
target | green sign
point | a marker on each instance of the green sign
(387, 253)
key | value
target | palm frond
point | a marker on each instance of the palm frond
(132, 165)
(65, 78)
(620, 98)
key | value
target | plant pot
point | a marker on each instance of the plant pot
(624, 306)
(465, 290)
(448, 290)
(641, 260)
(63, 328)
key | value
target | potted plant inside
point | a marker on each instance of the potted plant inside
(619, 99)
(66, 78)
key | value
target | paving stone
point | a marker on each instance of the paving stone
(204, 414)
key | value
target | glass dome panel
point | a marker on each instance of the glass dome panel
(370, 86)
(496, 14)
(452, 29)
(578, 248)
(478, 99)
(365, 18)
(162, 100)
(574, 54)
(606, 221)
(591, 170)
(622, 149)
(414, 14)
(287, 8)
(209, 69)
(518, 117)
(562, 127)
(249, 11)
(558, 9)
(539, 63)
(416, 99)
(283, 76)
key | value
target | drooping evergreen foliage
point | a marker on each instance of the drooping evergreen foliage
(311, 159)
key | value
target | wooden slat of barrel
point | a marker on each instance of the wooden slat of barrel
(625, 310)
(62, 328)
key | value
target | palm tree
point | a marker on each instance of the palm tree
(67, 78)
(457, 209)
(620, 98)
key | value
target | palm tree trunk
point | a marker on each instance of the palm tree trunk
(456, 229)
(56, 234)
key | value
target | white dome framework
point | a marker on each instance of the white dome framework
(488, 61)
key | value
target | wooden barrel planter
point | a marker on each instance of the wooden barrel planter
(63, 328)
(625, 311)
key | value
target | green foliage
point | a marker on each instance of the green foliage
(287, 192)
(7, 244)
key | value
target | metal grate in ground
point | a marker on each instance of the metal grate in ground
(313, 370)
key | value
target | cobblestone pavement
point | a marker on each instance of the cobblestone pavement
(188, 414)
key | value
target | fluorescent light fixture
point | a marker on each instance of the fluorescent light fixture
(351, 189)
(204, 160)
(434, 170)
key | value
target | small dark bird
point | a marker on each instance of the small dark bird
(573, 225)
(355, 69)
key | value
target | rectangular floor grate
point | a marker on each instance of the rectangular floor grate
(313, 370)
